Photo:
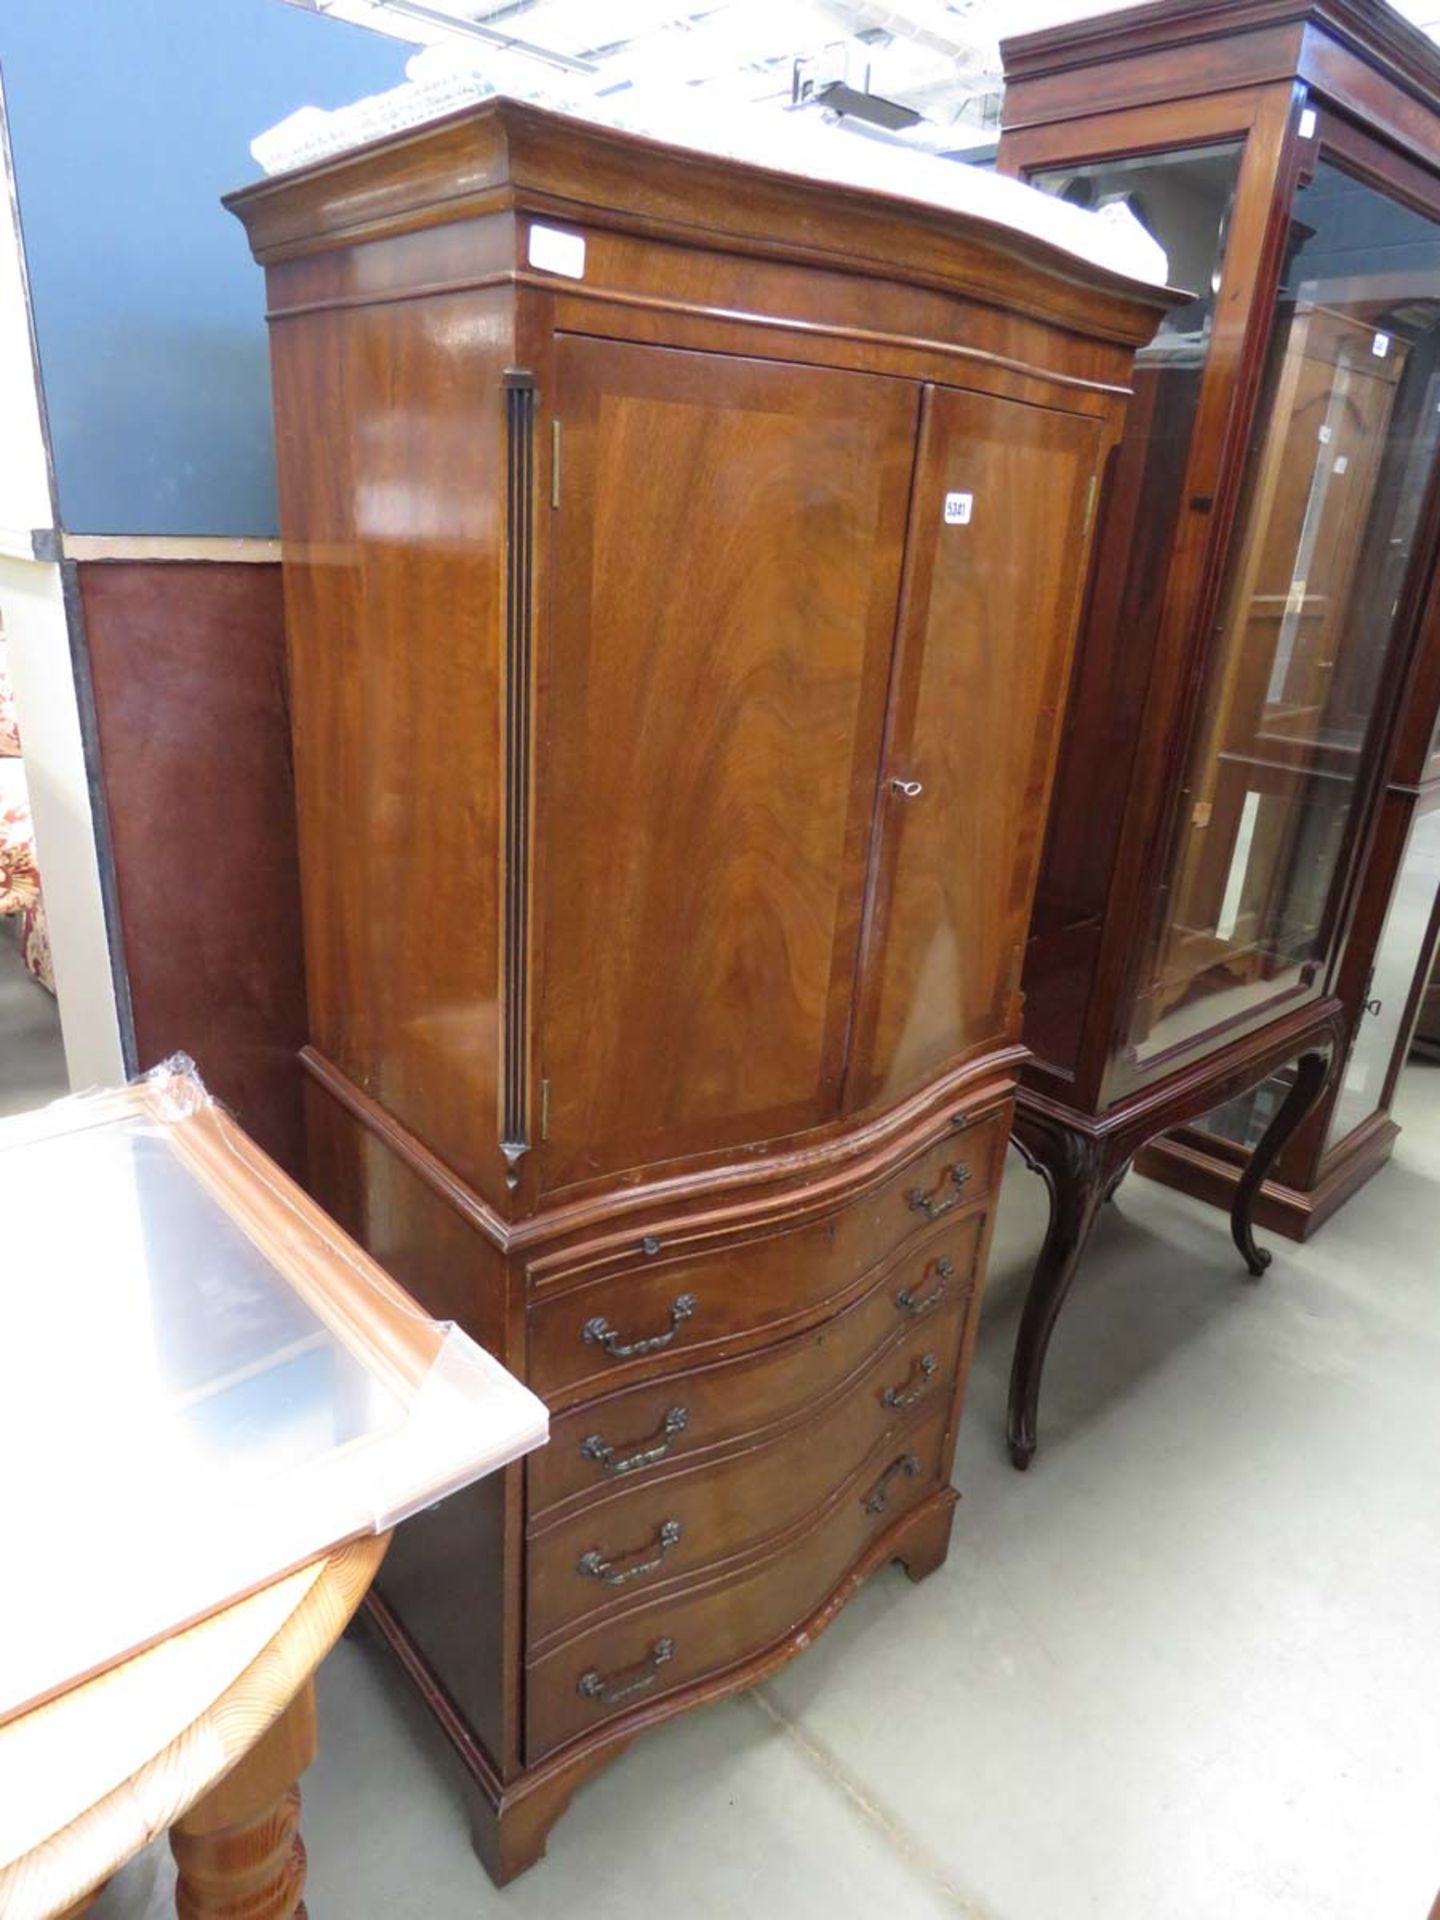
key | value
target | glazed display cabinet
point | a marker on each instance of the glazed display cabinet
(683, 563)
(1241, 858)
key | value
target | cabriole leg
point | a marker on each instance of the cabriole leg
(1075, 1171)
(1312, 1072)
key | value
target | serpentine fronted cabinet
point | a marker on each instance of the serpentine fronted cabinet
(682, 566)
(1241, 794)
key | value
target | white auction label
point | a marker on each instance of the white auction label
(958, 508)
(556, 252)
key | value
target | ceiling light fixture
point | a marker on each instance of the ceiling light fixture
(867, 106)
(469, 29)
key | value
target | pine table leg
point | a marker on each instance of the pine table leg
(239, 1849)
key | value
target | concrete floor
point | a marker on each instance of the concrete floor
(1186, 1669)
(32, 1054)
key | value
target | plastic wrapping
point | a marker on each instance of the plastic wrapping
(757, 133)
(203, 1382)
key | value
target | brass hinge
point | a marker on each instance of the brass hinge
(554, 463)
(1090, 493)
(544, 1109)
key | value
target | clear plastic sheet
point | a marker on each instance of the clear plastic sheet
(444, 81)
(203, 1381)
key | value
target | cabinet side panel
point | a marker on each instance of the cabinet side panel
(1112, 678)
(391, 454)
(448, 1578)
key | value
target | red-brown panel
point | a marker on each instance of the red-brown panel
(188, 664)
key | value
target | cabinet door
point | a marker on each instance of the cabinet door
(998, 527)
(724, 582)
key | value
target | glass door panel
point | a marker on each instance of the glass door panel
(1183, 199)
(1407, 925)
(1339, 468)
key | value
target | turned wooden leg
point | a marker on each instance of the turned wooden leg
(239, 1849)
(1312, 1071)
(1074, 1169)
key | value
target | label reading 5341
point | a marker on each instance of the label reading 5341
(958, 508)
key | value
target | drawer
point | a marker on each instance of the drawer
(631, 1659)
(610, 1318)
(612, 1552)
(649, 1430)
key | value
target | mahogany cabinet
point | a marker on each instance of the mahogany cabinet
(682, 569)
(1241, 839)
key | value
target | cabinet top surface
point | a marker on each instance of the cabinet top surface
(509, 155)
(1374, 33)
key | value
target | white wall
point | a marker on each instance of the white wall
(38, 644)
(32, 612)
(24, 478)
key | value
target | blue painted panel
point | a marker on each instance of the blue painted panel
(128, 120)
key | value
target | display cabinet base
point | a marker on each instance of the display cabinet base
(511, 1820)
(1196, 1163)
(1084, 1157)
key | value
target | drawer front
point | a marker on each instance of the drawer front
(646, 1431)
(630, 1320)
(636, 1657)
(609, 1554)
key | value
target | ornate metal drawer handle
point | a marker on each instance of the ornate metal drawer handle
(599, 1332)
(918, 1305)
(932, 1208)
(595, 1566)
(594, 1448)
(620, 1686)
(878, 1498)
(907, 1396)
